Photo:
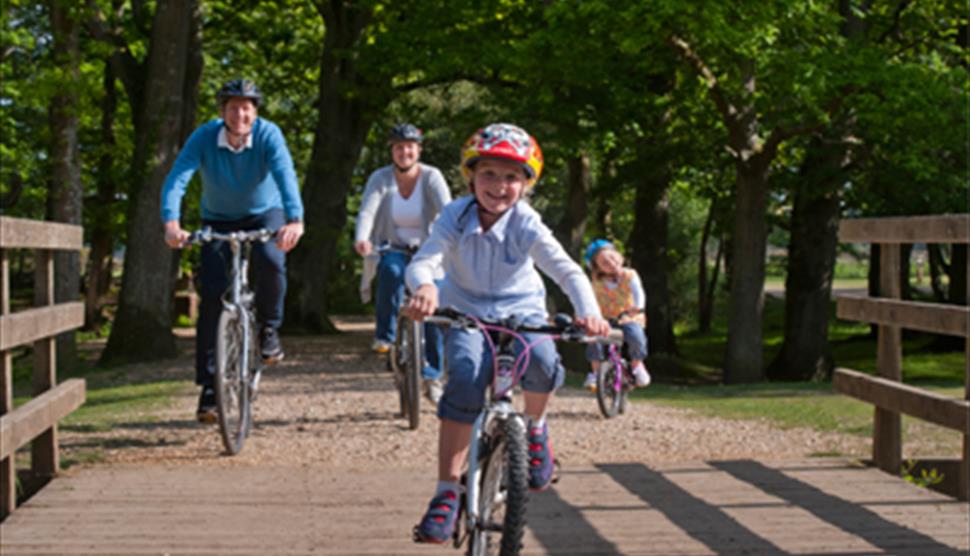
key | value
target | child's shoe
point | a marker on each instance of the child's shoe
(640, 375)
(438, 524)
(590, 383)
(541, 463)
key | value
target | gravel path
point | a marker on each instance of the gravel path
(332, 403)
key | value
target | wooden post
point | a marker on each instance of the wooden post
(8, 471)
(964, 482)
(44, 457)
(886, 438)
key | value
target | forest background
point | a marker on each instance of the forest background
(719, 143)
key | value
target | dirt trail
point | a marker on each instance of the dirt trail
(332, 403)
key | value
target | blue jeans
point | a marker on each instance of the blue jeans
(388, 299)
(470, 372)
(633, 338)
(268, 272)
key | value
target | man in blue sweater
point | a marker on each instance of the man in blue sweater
(248, 183)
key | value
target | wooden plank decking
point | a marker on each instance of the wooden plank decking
(729, 507)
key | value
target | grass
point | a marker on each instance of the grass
(692, 381)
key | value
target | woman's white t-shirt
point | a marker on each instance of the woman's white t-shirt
(406, 215)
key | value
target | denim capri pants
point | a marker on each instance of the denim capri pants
(470, 371)
(633, 338)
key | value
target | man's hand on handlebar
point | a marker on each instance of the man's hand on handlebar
(175, 236)
(423, 302)
(289, 235)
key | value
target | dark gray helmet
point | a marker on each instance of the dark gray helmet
(243, 88)
(404, 132)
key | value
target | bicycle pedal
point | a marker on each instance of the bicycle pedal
(556, 471)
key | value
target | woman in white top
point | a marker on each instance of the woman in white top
(400, 202)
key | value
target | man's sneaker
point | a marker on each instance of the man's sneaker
(206, 413)
(433, 389)
(380, 346)
(590, 383)
(641, 375)
(269, 345)
(438, 524)
(541, 463)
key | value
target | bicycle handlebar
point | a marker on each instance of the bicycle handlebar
(206, 235)
(564, 328)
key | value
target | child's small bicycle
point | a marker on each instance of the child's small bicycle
(614, 378)
(496, 479)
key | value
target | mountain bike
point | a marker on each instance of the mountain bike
(406, 357)
(491, 513)
(238, 365)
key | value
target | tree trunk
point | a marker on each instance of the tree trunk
(571, 227)
(938, 267)
(65, 201)
(648, 242)
(102, 235)
(341, 128)
(143, 326)
(805, 352)
(704, 310)
(744, 359)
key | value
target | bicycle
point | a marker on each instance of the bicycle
(614, 377)
(496, 479)
(406, 357)
(238, 365)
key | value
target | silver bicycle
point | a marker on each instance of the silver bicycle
(496, 479)
(238, 365)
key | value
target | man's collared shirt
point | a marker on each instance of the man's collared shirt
(223, 142)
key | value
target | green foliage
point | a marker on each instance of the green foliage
(925, 478)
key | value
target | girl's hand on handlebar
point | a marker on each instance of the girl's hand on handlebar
(289, 235)
(363, 247)
(175, 236)
(593, 325)
(423, 303)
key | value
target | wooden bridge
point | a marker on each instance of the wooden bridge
(830, 506)
(702, 508)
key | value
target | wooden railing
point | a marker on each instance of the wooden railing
(886, 391)
(36, 420)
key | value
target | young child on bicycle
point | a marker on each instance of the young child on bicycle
(490, 243)
(619, 293)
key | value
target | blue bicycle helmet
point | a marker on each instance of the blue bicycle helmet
(593, 248)
(242, 88)
(405, 132)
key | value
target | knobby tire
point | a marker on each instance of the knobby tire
(503, 494)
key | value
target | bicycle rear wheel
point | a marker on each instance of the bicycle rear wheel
(608, 397)
(231, 378)
(503, 493)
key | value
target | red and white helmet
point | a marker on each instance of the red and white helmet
(504, 142)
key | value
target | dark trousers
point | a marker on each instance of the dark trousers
(268, 280)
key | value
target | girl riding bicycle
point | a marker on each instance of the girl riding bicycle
(490, 243)
(619, 293)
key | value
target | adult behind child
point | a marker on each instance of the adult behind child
(490, 243)
(248, 183)
(400, 202)
(620, 295)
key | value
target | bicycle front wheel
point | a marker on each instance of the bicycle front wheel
(412, 380)
(231, 378)
(503, 493)
(608, 395)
